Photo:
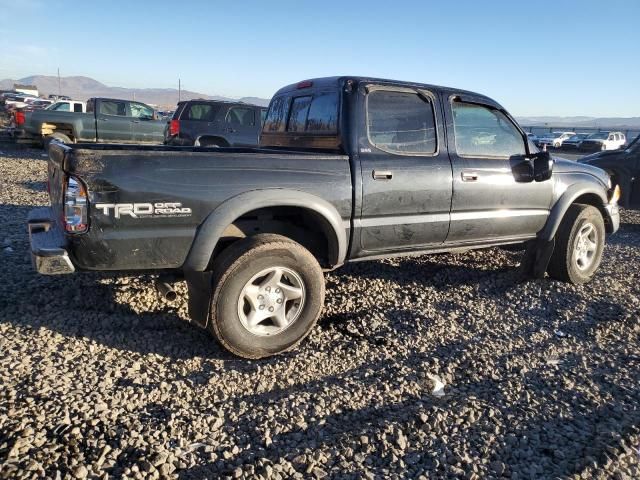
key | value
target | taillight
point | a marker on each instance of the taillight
(75, 206)
(20, 118)
(174, 127)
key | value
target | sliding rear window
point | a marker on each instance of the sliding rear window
(316, 113)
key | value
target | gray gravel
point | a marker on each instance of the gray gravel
(99, 378)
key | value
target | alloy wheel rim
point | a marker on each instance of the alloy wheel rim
(271, 301)
(586, 246)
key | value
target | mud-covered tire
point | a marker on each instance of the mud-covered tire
(236, 268)
(566, 263)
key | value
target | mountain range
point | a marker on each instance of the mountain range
(82, 88)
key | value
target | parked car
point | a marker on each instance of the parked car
(106, 120)
(209, 123)
(624, 168)
(574, 141)
(17, 100)
(603, 141)
(349, 169)
(554, 139)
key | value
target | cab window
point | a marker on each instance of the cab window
(401, 122)
(139, 110)
(277, 114)
(110, 107)
(481, 131)
(240, 117)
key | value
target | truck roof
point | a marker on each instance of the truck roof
(338, 81)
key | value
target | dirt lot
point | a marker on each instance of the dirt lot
(99, 378)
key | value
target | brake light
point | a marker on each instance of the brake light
(305, 84)
(20, 117)
(75, 206)
(174, 127)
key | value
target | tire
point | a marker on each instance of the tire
(55, 136)
(239, 280)
(566, 263)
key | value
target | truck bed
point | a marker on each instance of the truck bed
(184, 184)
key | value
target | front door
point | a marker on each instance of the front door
(240, 127)
(406, 173)
(490, 202)
(145, 127)
(112, 122)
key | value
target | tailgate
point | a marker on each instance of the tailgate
(56, 177)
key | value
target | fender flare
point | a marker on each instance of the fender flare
(226, 213)
(564, 202)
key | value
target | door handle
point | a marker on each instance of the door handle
(382, 175)
(469, 176)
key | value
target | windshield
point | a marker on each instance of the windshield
(599, 135)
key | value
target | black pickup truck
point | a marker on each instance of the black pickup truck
(349, 169)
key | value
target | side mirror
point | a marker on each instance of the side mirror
(542, 166)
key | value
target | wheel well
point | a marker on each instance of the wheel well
(51, 128)
(206, 140)
(302, 225)
(595, 201)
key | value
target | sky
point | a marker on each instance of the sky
(535, 57)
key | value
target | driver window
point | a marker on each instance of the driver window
(139, 110)
(485, 132)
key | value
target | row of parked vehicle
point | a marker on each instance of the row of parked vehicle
(13, 100)
(107, 120)
(580, 141)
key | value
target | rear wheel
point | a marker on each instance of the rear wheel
(579, 244)
(268, 292)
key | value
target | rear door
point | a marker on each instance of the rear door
(489, 203)
(406, 172)
(112, 122)
(198, 119)
(145, 127)
(241, 127)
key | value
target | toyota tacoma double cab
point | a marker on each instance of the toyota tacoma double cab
(348, 169)
(104, 120)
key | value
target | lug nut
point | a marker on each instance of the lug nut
(279, 300)
(260, 297)
(271, 309)
(277, 290)
(261, 307)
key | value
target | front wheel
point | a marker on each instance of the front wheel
(579, 243)
(268, 292)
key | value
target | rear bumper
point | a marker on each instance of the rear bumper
(48, 253)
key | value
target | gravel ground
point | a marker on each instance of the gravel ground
(100, 378)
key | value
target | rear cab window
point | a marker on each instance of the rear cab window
(311, 113)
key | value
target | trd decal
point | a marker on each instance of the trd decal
(145, 210)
